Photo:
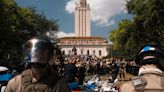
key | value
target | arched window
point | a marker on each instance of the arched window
(99, 52)
(94, 52)
(81, 51)
(63, 52)
(69, 52)
(87, 52)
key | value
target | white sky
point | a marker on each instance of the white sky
(63, 34)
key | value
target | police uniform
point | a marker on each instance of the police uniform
(150, 79)
(38, 52)
(23, 83)
(151, 76)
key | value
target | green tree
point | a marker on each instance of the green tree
(17, 24)
(149, 16)
(12, 23)
(147, 26)
(120, 37)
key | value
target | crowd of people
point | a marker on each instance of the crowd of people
(88, 65)
(45, 72)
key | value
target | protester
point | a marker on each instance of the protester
(151, 76)
(81, 73)
(71, 71)
(122, 70)
(39, 77)
(114, 70)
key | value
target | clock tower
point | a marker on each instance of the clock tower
(82, 19)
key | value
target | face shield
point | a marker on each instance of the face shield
(37, 51)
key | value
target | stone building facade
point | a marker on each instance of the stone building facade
(93, 46)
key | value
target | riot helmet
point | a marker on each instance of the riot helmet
(38, 50)
(150, 54)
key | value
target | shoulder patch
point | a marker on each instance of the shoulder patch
(138, 83)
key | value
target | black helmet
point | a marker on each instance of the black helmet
(150, 54)
(38, 50)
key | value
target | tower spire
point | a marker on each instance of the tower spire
(82, 19)
(83, 3)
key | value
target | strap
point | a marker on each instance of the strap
(154, 90)
(26, 78)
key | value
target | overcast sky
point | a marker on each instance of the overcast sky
(105, 14)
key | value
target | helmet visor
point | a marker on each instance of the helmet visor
(36, 51)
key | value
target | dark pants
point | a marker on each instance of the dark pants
(81, 79)
(114, 75)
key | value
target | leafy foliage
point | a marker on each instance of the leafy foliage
(147, 26)
(18, 24)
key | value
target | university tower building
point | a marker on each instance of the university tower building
(83, 43)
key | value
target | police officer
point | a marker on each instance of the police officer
(151, 73)
(39, 77)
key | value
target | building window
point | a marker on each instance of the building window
(81, 51)
(93, 52)
(99, 52)
(69, 52)
(88, 52)
(63, 52)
